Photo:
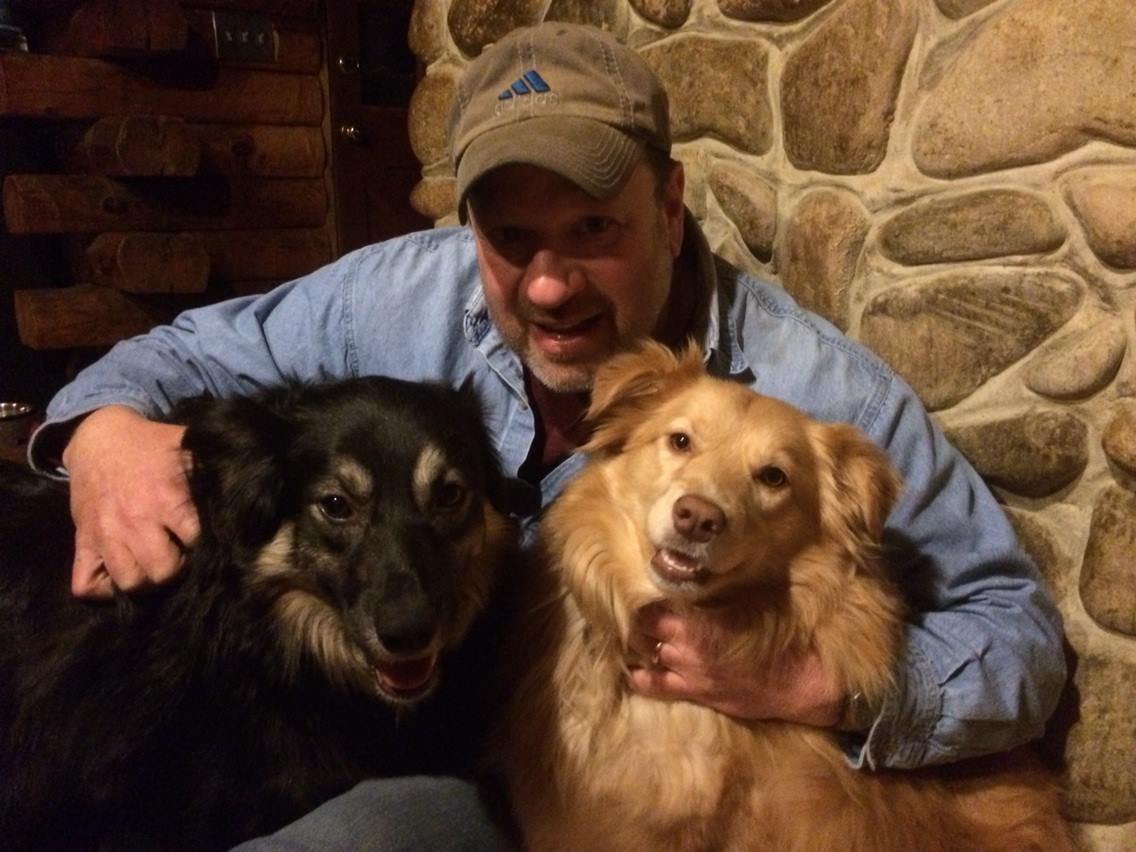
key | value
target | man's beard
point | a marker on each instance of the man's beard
(557, 376)
(560, 378)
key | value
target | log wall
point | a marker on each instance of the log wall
(182, 173)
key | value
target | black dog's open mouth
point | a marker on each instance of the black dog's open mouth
(406, 680)
(673, 566)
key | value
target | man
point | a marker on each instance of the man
(577, 244)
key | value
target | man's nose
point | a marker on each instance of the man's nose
(551, 280)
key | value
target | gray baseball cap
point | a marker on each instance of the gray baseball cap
(566, 97)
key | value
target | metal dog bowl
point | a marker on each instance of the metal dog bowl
(15, 423)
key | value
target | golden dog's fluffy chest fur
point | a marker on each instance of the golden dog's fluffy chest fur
(701, 494)
(635, 773)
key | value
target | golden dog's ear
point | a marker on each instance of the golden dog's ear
(858, 488)
(630, 385)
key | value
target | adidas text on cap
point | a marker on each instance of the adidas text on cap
(566, 97)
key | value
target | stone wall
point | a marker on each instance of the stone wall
(953, 182)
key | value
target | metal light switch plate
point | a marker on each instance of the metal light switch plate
(244, 37)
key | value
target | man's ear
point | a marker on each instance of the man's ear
(631, 385)
(673, 207)
(237, 479)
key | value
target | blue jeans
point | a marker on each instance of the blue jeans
(408, 814)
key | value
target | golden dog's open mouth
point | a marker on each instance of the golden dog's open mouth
(674, 566)
(407, 679)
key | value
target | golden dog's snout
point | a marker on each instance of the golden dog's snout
(697, 519)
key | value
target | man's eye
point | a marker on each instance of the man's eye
(336, 507)
(507, 236)
(596, 225)
(597, 231)
(510, 243)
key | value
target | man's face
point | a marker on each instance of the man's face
(569, 280)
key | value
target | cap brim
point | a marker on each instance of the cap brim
(593, 155)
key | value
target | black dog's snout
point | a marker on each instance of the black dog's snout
(697, 518)
(404, 617)
(408, 641)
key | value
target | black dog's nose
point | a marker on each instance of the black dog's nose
(404, 629)
(409, 642)
(697, 518)
(404, 618)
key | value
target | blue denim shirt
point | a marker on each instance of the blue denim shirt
(983, 663)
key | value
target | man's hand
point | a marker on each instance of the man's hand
(130, 502)
(691, 665)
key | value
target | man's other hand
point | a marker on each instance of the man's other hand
(687, 662)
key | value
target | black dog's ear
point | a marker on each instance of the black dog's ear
(630, 385)
(471, 413)
(237, 479)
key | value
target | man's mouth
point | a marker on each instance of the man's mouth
(560, 335)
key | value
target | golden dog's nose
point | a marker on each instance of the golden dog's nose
(697, 518)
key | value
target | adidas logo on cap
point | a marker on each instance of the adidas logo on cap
(527, 83)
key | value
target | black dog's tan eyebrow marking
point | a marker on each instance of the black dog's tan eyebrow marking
(350, 475)
(428, 468)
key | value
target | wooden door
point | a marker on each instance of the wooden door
(371, 76)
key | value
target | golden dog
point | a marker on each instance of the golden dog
(701, 493)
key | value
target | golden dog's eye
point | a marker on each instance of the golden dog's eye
(680, 441)
(772, 476)
(449, 495)
(336, 507)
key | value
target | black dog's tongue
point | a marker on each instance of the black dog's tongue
(407, 675)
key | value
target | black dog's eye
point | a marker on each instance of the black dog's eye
(449, 495)
(772, 476)
(336, 507)
(680, 441)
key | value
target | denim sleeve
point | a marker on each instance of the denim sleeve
(983, 665)
(299, 331)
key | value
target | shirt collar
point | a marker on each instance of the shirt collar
(719, 341)
(475, 321)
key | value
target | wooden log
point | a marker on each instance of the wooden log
(298, 48)
(71, 28)
(265, 150)
(133, 145)
(35, 86)
(306, 9)
(82, 316)
(117, 28)
(275, 255)
(146, 262)
(44, 8)
(145, 146)
(149, 262)
(292, 8)
(58, 204)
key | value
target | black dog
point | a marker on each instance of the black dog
(349, 544)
